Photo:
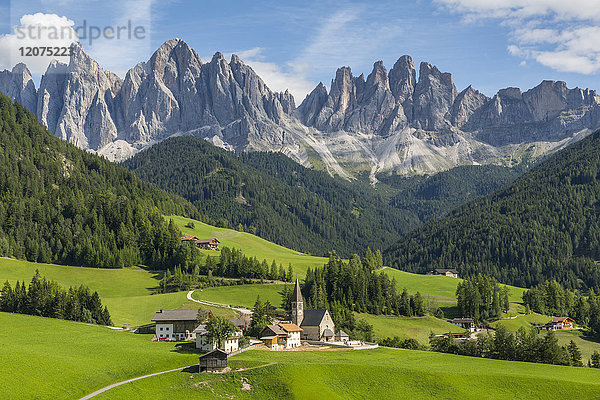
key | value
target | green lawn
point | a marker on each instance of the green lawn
(241, 295)
(410, 327)
(442, 287)
(586, 344)
(526, 321)
(250, 245)
(126, 292)
(45, 358)
(368, 374)
(107, 282)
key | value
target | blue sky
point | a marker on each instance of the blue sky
(295, 44)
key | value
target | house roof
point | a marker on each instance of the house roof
(216, 353)
(327, 333)
(463, 321)
(290, 327)
(189, 238)
(297, 294)
(341, 333)
(560, 319)
(201, 330)
(274, 329)
(175, 315)
(240, 322)
(207, 241)
(313, 317)
(444, 270)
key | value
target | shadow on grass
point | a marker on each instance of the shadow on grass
(187, 348)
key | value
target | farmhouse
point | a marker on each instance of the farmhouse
(445, 272)
(173, 325)
(213, 361)
(206, 343)
(315, 324)
(208, 244)
(465, 323)
(559, 323)
(282, 336)
(189, 239)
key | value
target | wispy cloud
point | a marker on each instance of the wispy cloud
(350, 36)
(562, 35)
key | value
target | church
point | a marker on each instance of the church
(315, 324)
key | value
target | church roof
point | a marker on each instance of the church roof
(297, 295)
(313, 317)
(327, 333)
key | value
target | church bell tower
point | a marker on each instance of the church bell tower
(297, 305)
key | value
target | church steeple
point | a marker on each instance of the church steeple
(297, 305)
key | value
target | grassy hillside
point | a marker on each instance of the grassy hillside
(53, 359)
(250, 245)
(408, 327)
(243, 295)
(126, 292)
(372, 374)
(526, 321)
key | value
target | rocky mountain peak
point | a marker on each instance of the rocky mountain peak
(403, 78)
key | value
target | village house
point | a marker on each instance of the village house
(315, 324)
(559, 323)
(281, 336)
(174, 325)
(445, 272)
(465, 323)
(213, 361)
(206, 343)
(208, 244)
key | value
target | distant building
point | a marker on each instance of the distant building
(559, 323)
(315, 324)
(213, 361)
(189, 239)
(281, 336)
(206, 343)
(465, 323)
(208, 244)
(445, 272)
(173, 325)
(341, 336)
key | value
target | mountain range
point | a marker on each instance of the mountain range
(387, 122)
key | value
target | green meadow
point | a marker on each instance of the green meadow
(241, 295)
(408, 327)
(525, 321)
(250, 245)
(46, 358)
(367, 374)
(126, 292)
(441, 287)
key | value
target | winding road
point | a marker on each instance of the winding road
(104, 389)
(209, 303)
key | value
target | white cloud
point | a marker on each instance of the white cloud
(36, 30)
(563, 35)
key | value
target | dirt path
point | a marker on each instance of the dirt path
(104, 389)
(210, 303)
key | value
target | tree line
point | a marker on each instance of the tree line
(60, 204)
(482, 298)
(524, 345)
(544, 226)
(231, 263)
(552, 299)
(48, 299)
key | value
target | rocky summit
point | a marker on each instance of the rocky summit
(396, 121)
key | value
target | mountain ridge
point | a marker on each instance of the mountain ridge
(397, 121)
